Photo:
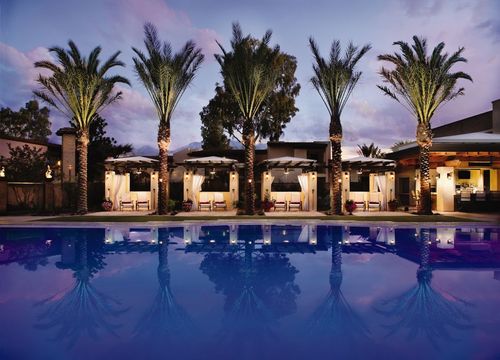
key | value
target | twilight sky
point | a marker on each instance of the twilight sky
(29, 27)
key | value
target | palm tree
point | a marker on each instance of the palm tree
(422, 83)
(79, 88)
(166, 77)
(370, 151)
(250, 77)
(334, 79)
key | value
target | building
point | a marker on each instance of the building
(464, 165)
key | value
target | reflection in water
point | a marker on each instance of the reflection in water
(422, 310)
(83, 310)
(165, 317)
(259, 289)
(335, 319)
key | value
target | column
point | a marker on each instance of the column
(390, 180)
(266, 184)
(154, 190)
(445, 189)
(188, 185)
(346, 186)
(313, 191)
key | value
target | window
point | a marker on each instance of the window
(282, 186)
(363, 183)
(140, 181)
(216, 182)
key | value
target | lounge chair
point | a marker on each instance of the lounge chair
(142, 204)
(295, 202)
(374, 201)
(280, 202)
(219, 202)
(359, 201)
(204, 202)
(126, 204)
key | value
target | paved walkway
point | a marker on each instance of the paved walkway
(294, 213)
(383, 213)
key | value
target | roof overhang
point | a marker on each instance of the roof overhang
(288, 162)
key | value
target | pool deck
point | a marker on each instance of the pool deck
(144, 217)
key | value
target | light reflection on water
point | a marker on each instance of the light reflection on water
(249, 291)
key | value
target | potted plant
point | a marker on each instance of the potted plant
(350, 206)
(267, 204)
(392, 204)
(187, 205)
(107, 204)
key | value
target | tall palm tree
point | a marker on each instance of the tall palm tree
(165, 76)
(370, 151)
(80, 88)
(334, 79)
(250, 77)
(421, 83)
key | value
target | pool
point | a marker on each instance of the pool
(249, 291)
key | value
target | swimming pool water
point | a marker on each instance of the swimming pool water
(270, 291)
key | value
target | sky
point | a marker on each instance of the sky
(29, 27)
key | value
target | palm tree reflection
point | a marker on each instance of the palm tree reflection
(422, 310)
(83, 310)
(165, 317)
(259, 288)
(335, 319)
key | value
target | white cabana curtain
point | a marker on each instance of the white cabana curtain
(382, 187)
(195, 191)
(304, 186)
(119, 187)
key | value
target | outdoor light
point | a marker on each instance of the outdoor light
(438, 176)
(360, 172)
(267, 242)
(212, 172)
(448, 176)
(392, 176)
(2, 172)
(249, 181)
(48, 173)
(340, 180)
(267, 175)
(286, 172)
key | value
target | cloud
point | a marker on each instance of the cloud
(422, 7)
(129, 17)
(18, 74)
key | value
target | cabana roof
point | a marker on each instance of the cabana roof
(369, 163)
(288, 162)
(210, 161)
(131, 160)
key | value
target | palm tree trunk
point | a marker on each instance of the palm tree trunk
(82, 148)
(163, 178)
(336, 165)
(424, 140)
(249, 141)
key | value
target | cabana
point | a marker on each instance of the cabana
(211, 182)
(286, 172)
(131, 183)
(369, 182)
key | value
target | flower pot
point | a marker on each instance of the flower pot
(186, 206)
(107, 205)
(350, 207)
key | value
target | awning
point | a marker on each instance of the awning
(369, 163)
(209, 161)
(288, 162)
(130, 163)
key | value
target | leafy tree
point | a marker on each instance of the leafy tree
(250, 75)
(166, 77)
(422, 83)
(335, 79)
(101, 147)
(30, 122)
(26, 163)
(370, 151)
(80, 88)
(222, 113)
(212, 120)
